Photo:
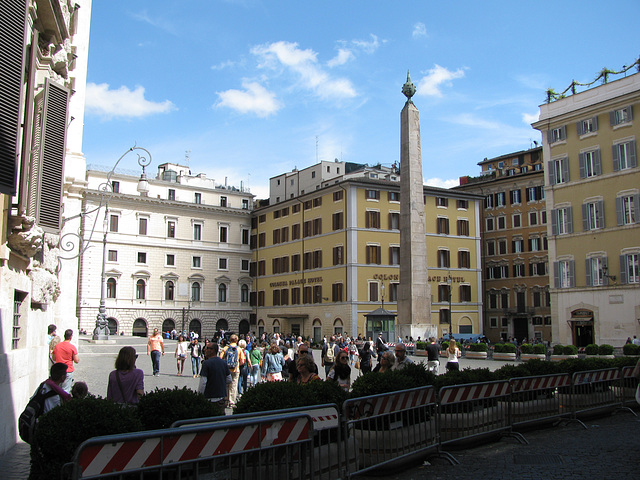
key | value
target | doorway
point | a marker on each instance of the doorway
(520, 328)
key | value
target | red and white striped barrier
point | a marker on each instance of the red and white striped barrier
(581, 378)
(154, 451)
(465, 393)
(389, 403)
(539, 383)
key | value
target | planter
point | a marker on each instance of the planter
(482, 420)
(559, 358)
(504, 356)
(610, 357)
(531, 356)
(420, 353)
(476, 355)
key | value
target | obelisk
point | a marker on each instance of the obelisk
(414, 293)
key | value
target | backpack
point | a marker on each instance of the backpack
(231, 356)
(330, 355)
(29, 417)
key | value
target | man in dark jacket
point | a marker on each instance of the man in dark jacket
(329, 354)
(214, 376)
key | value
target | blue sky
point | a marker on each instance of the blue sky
(254, 88)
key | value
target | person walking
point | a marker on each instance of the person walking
(255, 359)
(453, 353)
(365, 358)
(155, 348)
(181, 353)
(433, 356)
(67, 353)
(196, 353)
(234, 358)
(215, 376)
(126, 382)
(273, 364)
(329, 353)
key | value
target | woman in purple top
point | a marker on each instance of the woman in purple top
(126, 382)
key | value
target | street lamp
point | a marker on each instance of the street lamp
(450, 284)
(382, 293)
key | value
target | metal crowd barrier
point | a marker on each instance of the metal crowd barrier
(474, 410)
(536, 400)
(330, 460)
(271, 447)
(592, 392)
(389, 427)
(627, 389)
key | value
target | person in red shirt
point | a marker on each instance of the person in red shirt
(65, 352)
(155, 348)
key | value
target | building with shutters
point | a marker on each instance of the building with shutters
(592, 184)
(177, 257)
(43, 78)
(514, 246)
(328, 254)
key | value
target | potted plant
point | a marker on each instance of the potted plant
(421, 349)
(529, 352)
(631, 349)
(477, 351)
(443, 348)
(504, 351)
(564, 352)
(605, 351)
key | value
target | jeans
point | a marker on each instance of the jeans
(68, 383)
(195, 365)
(255, 374)
(328, 367)
(155, 361)
(242, 381)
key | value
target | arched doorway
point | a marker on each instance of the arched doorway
(317, 330)
(338, 326)
(243, 328)
(168, 325)
(139, 328)
(195, 326)
(112, 325)
(222, 324)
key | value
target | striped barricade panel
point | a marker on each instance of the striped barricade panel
(388, 403)
(536, 400)
(164, 447)
(476, 391)
(546, 382)
(596, 376)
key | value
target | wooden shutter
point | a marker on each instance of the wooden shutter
(623, 269)
(585, 217)
(551, 166)
(583, 168)
(587, 265)
(632, 161)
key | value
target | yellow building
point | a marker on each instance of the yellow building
(592, 190)
(323, 260)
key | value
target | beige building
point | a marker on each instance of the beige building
(176, 257)
(324, 259)
(592, 190)
(514, 246)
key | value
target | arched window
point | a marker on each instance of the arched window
(111, 288)
(168, 290)
(222, 292)
(195, 292)
(141, 288)
(244, 293)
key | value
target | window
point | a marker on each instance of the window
(222, 293)
(593, 215)
(245, 204)
(244, 265)
(276, 297)
(516, 219)
(490, 224)
(262, 218)
(393, 196)
(504, 300)
(394, 221)
(244, 293)
(373, 254)
(620, 116)
(595, 268)
(262, 239)
(317, 202)
(627, 209)
(502, 246)
(317, 294)
(115, 186)
(171, 229)
(142, 226)
(493, 322)
(112, 256)
(443, 225)
(196, 262)
(171, 195)
(295, 296)
(308, 204)
(337, 220)
(197, 231)
(533, 217)
(295, 231)
(630, 268)
(113, 223)
(338, 255)
(171, 260)
(142, 257)
(224, 231)
(443, 292)
(197, 198)
(537, 268)
(463, 227)
(337, 195)
(465, 293)
(307, 260)
(394, 255)
(393, 292)
(373, 291)
(518, 270)
(295, 208)
(444, 315)
(442, 202)
(557, 134)
(462, 204)
(317, 226)
(307, 293)
(564, 273)
(245, 236)
(337, 292)
(488, 201)
(284, 236)
(491, 248)
(372, 219)
(588, 125)
(295, 262)
(317, 259)
(562, 221)
(624, 156)
(223, 264)
(501, 200)
(464, 259)
(195, 291)
(444, 258)
(223, 201)
(111, 288)
(534, 244)
(559, 171)
(502, 222)
(372, 194)
(537, 302)
(590, 165)
(261, 298)
(534, 194)
(169, 290)
(515, 197)
(493, 300)
(517, 245)
(141, 288)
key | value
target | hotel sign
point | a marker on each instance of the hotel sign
(297, 281)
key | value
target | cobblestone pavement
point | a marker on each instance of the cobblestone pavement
(608, 449)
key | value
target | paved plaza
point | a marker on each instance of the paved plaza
(607, 449)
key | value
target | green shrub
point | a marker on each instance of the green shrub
(539, 367)
(464, 376)
(421, 345)
(418, 374)
(539, 349)
(507, 372)
(605, 349)
(631, 349)
(61, 430)
(526, 348)
(498, 347)
(508, 348)
(620, 362)
(478, 347)
(569, 350)
(558, 349)
(376, 382)
(444, 345)
(163, 406)
(591, 349)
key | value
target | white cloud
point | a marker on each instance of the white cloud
(253, 99)
(341, 58)
(122, 103)
(476, 122)
(437, 77)
(223, 65)
(304, 64)
(156, 22)
(529, 118)
(367, 46)
(419, 30)
(442, 183)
